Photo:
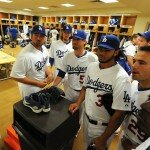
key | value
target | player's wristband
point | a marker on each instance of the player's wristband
(61, 73)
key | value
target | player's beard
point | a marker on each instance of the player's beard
(106, 60)
(75, 47)
(37, 44)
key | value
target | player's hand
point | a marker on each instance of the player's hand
(41, 84)
(50, 78)
(99, 143)
(73, 107)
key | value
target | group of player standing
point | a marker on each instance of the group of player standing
(96, 84)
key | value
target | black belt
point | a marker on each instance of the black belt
(95, 122)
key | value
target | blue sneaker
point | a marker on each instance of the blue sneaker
(44, 98)
(32, 101)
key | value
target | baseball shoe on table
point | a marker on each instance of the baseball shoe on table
(32, 101)
(44, 98)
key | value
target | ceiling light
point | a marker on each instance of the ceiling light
(26, 9)
(43, 7)
(6, 1)
(67, 5)
(109, 1)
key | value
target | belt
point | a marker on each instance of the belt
(95, 122)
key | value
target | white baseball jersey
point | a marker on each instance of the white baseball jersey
(131, 130)
(58, 50)
(30, 63)
(130, 49)
(76, 68)
(113, 80)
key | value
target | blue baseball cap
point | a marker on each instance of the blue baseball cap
(146, 35)
(79, 34)
(67, 28)
(38, 29)
(110, 42)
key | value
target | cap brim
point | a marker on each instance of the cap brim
(105, 46)
(77, 37)
(67, 31)
(143, 35)
(39, 33)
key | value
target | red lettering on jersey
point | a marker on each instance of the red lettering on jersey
(99, 101)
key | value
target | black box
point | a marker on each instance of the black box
(45, 131)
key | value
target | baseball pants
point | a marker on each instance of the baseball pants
(91, 131)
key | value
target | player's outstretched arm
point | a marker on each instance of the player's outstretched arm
(60, 76)
(49, 74)
(57, 80)
(75, 106)
(26, 80)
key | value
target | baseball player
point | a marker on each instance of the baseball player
(32, 68)
(130, 49)
(75, 64)
(144, 39)
(108, 79)
(132, 135)
(61, 47)
(54, 34)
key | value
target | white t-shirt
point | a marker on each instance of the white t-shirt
(76, 68)
(58, 50)
(131, 130)
(30, 63)
(113, 80)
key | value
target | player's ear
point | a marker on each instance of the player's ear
(116, 52)
(85, 42)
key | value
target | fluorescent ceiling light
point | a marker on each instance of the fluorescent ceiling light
(6, 1)
(43, 7)
(109, 1)
(26, 9)
(67, 5)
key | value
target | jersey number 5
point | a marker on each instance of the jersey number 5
(81, 79)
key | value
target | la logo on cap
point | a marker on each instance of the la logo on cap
(67, 27)
(104, 39)
(40, 28)
(75, 32)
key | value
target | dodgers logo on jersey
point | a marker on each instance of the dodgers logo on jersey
(40, 64)
(61, 54)
(97, 85)
(134, 109)
(76, 70)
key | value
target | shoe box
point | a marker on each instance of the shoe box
(45, 131)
